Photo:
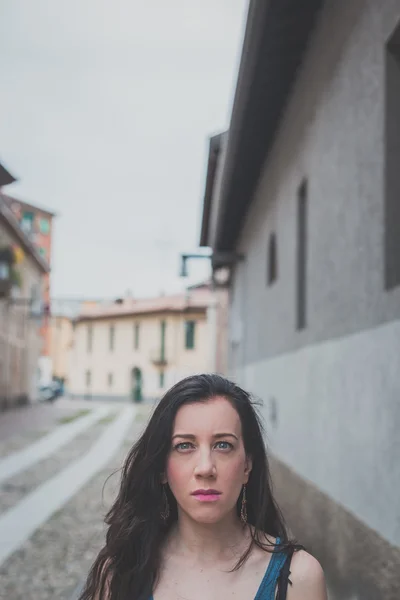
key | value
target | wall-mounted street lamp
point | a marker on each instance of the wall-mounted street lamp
(222, 263)
(185, 257)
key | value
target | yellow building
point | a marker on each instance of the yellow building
(136, 349)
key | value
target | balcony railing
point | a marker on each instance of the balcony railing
(158, 357)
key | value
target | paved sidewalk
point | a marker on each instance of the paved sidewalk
(57, 557)
(17, 487)
(16, 462)
(39, 417)
(20, 522)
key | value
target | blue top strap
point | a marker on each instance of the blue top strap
(267, 588)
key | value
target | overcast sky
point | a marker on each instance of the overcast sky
(106, 107)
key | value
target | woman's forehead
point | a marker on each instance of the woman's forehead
(216, 415)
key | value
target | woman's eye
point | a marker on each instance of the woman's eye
(224, 446)
(183, 446)
(186, 446)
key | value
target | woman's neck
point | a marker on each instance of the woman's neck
(206, 543)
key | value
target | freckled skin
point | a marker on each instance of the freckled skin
(209, 537)
(207, 461)
(204, 546)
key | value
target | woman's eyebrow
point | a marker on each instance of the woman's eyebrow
(190, 436)
(217, 435)
(186, 436)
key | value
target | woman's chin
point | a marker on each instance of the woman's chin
(208, 517)
(207, 520)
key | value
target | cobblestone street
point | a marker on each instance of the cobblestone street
(55, 558)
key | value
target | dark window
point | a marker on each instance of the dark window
(27, 222)
(44, 226)
(110, 379)
(392, 162)
(136, 335)
(112, 337)
(90, 338)
(88, 378)
(190, 330)
(163, 327)
(162, 379)
(272, 273)
(301, 292)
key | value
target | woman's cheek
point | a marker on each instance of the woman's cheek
(176, 470)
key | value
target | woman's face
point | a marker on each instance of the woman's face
(207, 464)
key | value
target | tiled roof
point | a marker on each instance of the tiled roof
(194, 300)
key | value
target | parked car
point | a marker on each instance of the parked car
(50, 392)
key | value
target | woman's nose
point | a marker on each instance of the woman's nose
(205, 466)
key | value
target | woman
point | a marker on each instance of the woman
(195, 518)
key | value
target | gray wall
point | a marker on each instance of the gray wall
(336, 384)
(333, 134)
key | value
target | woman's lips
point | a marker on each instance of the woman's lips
(206, 495)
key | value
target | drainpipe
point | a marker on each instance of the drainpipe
(7, 356)
(213, 328)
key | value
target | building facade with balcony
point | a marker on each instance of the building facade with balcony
(37, 225)
(136, 349)
(22, 277)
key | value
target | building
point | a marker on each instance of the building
(61, 342)
(22, 272)
(37, 224)
(136, 349)
(306, 216)
(217, 318)
(64, 311)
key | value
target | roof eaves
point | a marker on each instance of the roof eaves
(121, 315)
(11, 199)
(212, 165)
(275, 40)
(5, 176)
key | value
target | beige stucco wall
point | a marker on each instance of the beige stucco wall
(101, 361)
(61, 336)
(20, 342)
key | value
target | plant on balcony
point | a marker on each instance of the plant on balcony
(11, 256)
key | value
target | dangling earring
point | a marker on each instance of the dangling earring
(243, 512)
(165, 512)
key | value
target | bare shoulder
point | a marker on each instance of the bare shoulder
(307, 577)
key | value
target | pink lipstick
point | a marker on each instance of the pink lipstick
(206, 495)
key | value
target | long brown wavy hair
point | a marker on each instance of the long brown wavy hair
(128, 565)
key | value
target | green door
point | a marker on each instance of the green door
(137, 384)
